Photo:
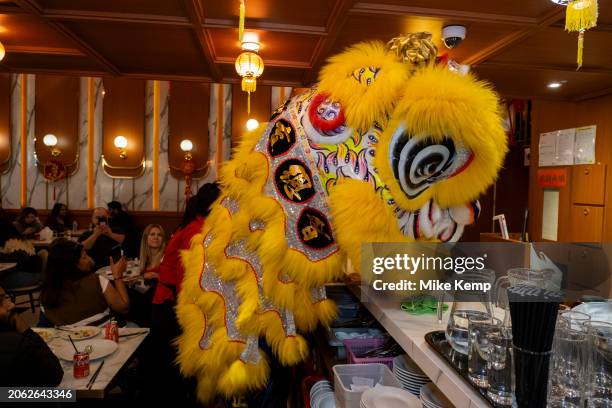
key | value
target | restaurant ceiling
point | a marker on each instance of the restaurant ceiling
(519, 45)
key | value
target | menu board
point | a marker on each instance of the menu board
(567, 147)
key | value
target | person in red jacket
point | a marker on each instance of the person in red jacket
(164, 373)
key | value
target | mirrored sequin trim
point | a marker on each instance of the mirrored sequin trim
(318, 294)
(231, 205)
(227, 290)
(284, 278)
(250, 354)
(208, 239)
(206, 338)
(255, 225)
(292, 211)
(288, 322)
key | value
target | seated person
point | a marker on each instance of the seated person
(100, 240)
(152, 247)
(57, 219)
(121, 220)
(15, 249)
(25, 358)
(72, 294)
(28, 224)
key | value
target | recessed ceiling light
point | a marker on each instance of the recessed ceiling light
(555, 85)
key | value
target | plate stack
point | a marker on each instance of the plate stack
(322, 395)
(432, 397)
(388, 397)
(409, 374)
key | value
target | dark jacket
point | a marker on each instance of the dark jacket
(27, 361)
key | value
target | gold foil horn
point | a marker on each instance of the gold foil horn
(416, 49)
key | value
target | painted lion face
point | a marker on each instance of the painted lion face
(427, 143)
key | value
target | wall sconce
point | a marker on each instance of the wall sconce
(187, 147)
(51, 141)
(121, 143)
(189, 166)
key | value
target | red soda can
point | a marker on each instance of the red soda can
(80, 364)
(111, 331)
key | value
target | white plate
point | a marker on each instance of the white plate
(389, 397)
(434, 396)
(406, 364)
(46, 334)
(101, 348)
(79, 333)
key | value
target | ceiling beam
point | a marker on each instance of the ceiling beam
(268, 63)
(34, 8)
(543, 67)
(335, 22)
(515, 37)
(454, 15)
(592, 95)
(196, 17)
(259, 25)
(82, 15)
(26, 49)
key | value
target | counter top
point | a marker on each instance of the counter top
(409, 332)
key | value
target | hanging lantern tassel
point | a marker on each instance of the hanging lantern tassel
(249, 84)
(241, 21)
(580, 16)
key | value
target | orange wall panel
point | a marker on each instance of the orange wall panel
(5, 121)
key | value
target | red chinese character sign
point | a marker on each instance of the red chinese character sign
(552, 178)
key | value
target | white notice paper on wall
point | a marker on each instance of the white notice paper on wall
(565, 147)
(547, 149)
(584, 146)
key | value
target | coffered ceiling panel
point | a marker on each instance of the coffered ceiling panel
(23, 62)
(556, 47)
(529, 83)
(143, 48)
(524, 8)
(277, 49)
(25, 31)
(165, 7)
(310, 13)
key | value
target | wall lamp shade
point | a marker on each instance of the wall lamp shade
(121, 143)
(50, 141)
(186, 145)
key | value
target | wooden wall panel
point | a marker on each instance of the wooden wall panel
(551, 115)
(260, 108)
(5, 122)
(57, 113)
(124, 114)
(188, 106)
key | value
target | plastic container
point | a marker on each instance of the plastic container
(334, 341)
(356, 347)
(343, 377)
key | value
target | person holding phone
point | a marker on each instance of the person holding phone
(100, 241)
(72, 294)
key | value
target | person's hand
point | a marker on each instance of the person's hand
(118, 268)
(29, 230)
(97, 230)
(17, 322)
(106, 230)
(151, 275)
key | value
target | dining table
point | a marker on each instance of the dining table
(7, 266)
(129, 341)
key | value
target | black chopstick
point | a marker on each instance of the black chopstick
(92, 380)
(133, 334)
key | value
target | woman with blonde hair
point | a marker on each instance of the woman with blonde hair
(152, 246)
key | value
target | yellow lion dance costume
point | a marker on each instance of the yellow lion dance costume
(388, 147)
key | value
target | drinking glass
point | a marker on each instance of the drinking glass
(569, 364)
(599, 350)
(480, 331)
(500, 368)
